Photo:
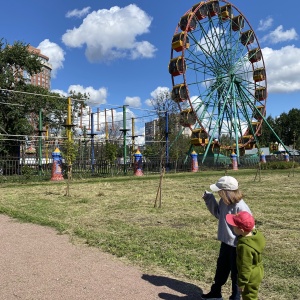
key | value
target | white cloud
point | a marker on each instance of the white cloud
(133, 101)
(55, 53)
(283, 69)
(142, 49)
(278, 35)
(148, 102)
(112, 34)
(265, 24)
(78, 13)
(156, 94)
(159, 90)
(95, 96)
(61, 92)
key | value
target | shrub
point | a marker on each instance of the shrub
(272, 165)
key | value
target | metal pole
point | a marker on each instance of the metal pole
(69, 120)
(125, 135)
(167, 140)
(92, 143)
(98, 119)
(132, 136)
(106, 126)
(40, 140)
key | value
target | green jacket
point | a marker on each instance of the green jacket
(249, 259)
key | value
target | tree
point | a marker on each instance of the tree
(288, 126)
(163, 103)
(13, 114)
(267, 135)
(13, 61)
(21, 103)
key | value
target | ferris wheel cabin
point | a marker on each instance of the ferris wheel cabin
(237, 23)
(202, 12)
(259, 74)
(199, 137)
(256, 128)
(187, 117)
(188, 22)
(226, 12)
(179, 42)
(247, 37)
(259, 113)
(177, 66)
(213, 8)
(179, 93)
(261, 93)
(249, 142)
(254, 55)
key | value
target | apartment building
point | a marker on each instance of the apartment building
(151, 130)
(43, 78)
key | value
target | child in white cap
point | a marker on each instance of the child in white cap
(231, 202)
(250, 246)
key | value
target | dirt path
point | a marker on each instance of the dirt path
(39, 264)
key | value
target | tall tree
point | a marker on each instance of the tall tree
(13, 114)
(288, 126)
(267, 135)
(163, 103)
(20, 102)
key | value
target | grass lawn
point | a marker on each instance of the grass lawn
(179, 238)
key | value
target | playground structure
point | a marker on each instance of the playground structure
(219, 80)
(36, 151)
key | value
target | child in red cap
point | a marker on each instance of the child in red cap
(249, 249)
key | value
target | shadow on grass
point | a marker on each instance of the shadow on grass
(190, 291)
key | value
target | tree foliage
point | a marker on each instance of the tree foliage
(178, 143)
(21, 102)
(288, 127)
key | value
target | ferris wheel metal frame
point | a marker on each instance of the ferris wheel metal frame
(219, 78)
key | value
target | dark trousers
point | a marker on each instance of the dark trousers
(226, 265)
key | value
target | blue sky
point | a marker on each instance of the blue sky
(118, 51)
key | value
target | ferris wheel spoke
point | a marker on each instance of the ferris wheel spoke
(206, 48)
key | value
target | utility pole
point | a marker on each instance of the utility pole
(40, 132)
(133, 136)
(167, 139)
(124, 130)
(294, 148)
(92, 134)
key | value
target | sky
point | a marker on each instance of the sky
(118, 51)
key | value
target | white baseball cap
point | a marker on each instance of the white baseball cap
(228, 183)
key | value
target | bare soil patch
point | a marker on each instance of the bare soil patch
(38, 263)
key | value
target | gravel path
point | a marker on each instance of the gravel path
(39, 264)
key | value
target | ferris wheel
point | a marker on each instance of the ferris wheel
(219, 77)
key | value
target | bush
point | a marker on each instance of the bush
(273, 165)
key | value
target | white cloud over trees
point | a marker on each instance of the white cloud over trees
(96, 96)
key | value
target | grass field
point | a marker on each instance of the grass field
(179, 238)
